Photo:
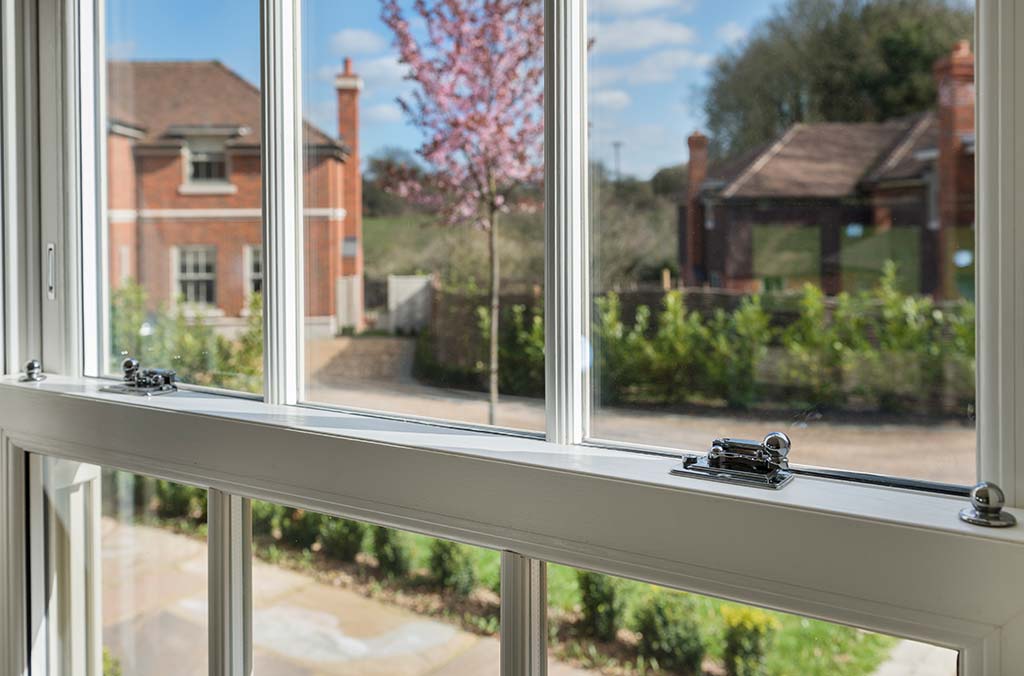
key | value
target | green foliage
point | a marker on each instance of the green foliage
(451, 567)
(602, 609)
(878, 349)
(111, 665)
(748, 634)
(266, 517)
(342, 539)
(392, 555)
(831, 60)
(300, 528)
(668, 632)
(175, 501)
(622, 353)
(521, 351)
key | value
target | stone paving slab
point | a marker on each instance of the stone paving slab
(155, 618)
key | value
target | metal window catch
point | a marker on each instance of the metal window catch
(987, 502)
(143, 382)
(763, 464)
(33, 372)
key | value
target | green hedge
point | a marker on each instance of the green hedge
(876, 350)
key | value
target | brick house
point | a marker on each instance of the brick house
(828, 202)
(184, 200)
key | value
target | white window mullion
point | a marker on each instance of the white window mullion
(282, 200)
(92, 287)
(230, 584)
(565, 209)
(1000, 248)
(524, 603)
(13, 556)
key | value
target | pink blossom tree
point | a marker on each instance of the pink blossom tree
(478, 69)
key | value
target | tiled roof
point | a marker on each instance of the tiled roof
(905, 162)
(824, 160)
(156, 97)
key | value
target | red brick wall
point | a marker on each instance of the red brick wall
(160, 177)
(121, 197)
(954, 76)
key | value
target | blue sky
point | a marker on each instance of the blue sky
(647, 65)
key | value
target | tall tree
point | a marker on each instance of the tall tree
(478, 69)
(831, 61)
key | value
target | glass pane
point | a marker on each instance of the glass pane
(418, 180)
(782, 229)
(183, 184)
(605, 624)
(334, 596)
(129, 551)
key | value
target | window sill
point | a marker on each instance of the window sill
(615, 511)
(211, 188)
(197, 311)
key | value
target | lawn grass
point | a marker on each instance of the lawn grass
(802, 647)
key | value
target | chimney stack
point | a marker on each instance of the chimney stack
(954, 80)
(349, 85)
(691, 240)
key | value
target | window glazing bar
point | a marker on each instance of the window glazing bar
(566, 295)
(230, 584)
(13, 556)
(282, 199)
(524, 592)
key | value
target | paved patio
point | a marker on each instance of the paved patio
(154, 622)
(155, 619)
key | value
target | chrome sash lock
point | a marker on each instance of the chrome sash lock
(764, 464)
(143, 382)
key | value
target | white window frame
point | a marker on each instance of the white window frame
(885, 559)
(249, 255)
(205, 186)
(198, 307)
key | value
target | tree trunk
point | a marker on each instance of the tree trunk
(492, 408)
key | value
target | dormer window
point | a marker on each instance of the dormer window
(206, 167)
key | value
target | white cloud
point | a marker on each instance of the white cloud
(385, 113)
(639, 6)
(660, 66)
(612, 99)
(381, 71)
(383, 76)
(731, 32)
(351, 41)
(629, 35)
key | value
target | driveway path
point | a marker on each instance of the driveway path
(936, 451)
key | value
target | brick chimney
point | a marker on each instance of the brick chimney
(348, 85)
(691, 240)
(954, 79)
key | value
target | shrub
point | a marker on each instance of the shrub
(266, 517)
(668, 632)
(451, 567)
(300, 528)
(342, 539)
(602, 610)
(392, 556)
(111, 665)
(748, 632)
(175, 501)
